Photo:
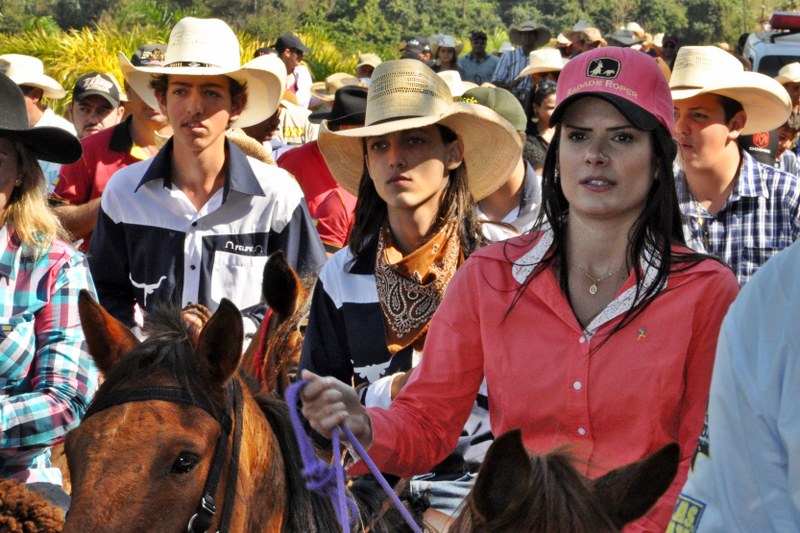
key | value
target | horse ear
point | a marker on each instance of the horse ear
(220, 343)
(505, 476)
(108, 339)
(281, 286)
(630, 491)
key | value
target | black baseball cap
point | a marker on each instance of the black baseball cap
(99, 84)
(149, 55)
(290, 40)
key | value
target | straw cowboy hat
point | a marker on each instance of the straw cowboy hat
(542, 33)
(46, 142)
(27, 70)
(406, 94)
(454, 82)
(445, 41)
(324, 90)
(368, 59)
(543, 60)
(208, 47)
(592, 35)
(708, 69)
(789, 74)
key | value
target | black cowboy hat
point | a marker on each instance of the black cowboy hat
(47, 143)
(349, 107)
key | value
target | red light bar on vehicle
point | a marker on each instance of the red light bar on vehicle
(785, 20)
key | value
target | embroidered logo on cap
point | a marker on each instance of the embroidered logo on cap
(603, 67)
(97, 83)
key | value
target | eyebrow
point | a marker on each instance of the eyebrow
(613, 128)
(202, 85)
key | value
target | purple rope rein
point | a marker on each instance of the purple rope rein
(328, 479)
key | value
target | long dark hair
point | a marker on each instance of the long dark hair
(537, 95)
(456, 205)
(656, 230)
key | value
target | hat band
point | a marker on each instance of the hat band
(175, 64)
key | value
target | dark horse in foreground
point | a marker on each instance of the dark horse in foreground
(174, 432)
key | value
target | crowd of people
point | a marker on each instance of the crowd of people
(549, 239)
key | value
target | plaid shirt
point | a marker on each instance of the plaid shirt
(511, 64)
(760, 218)
(46, 376)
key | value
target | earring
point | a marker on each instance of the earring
(18, 182)
(555, 173)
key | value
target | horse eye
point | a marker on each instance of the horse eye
(184, 463)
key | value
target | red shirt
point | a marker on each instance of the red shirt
(335, 215)
(644, 387)
(308, 167)
(103, 154)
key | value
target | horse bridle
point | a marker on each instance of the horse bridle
(230, 418)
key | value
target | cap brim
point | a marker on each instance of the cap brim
(265, 77)
(488, 165)
(637, 116)
(105, 96)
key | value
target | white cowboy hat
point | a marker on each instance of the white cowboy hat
(506, 47)
(324, 90)
(543, 60)
(708, 69)
(454, 82)
(406, 94)
(445, 41)
(789, 74)
(208, 47)
(28, 70)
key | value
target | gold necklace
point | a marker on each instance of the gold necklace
(595, 281)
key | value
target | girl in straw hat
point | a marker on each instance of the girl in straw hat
(597, 332)
(48, 378)
(417, 166)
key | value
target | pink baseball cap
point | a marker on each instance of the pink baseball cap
(628, 79)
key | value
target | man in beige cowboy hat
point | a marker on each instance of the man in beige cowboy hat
(528, 36)
(196, 223)
(734, 207)
(544, 63)
(28, 73)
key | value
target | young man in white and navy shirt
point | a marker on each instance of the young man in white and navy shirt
(195, 223)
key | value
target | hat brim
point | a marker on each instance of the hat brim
(765, 101)
(320, 91)
(263, 76)
(352, 118)
(637, 116)
(488, 164)
(50, 87)
(457, 48)
(538, 69)
(48, 143)
(542, 36)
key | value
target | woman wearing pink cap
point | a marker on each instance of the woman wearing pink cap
(597, 331)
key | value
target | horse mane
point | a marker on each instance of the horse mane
(558, 498)
(166, 354)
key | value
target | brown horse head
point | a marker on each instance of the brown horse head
(518, 492)
(274, 353)
(143, 465)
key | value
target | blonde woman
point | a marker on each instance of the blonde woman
(47, 376)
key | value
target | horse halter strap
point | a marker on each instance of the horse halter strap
(206, 509)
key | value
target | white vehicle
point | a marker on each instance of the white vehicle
(769, 51)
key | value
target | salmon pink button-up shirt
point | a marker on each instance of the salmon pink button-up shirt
(611, 402)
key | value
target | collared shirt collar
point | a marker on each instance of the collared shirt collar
(648, 263)
(239, 175)
(750, 182)
(121, 140)
(531, 190)
(10, 247)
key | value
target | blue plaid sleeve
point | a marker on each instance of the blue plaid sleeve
(49, 376)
